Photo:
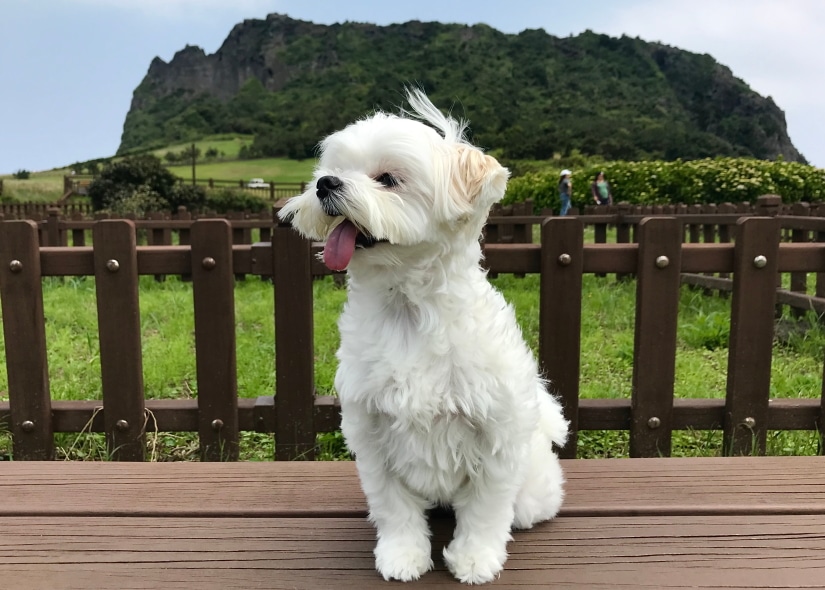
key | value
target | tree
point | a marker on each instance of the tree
(140, 184)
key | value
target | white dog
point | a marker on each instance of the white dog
(441, 399)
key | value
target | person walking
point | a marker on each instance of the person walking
(565, 191)
(600, 190)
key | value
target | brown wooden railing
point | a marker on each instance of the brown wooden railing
(658, 258)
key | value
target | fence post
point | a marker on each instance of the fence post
(654, 356)
(725, 234)
(751, 336)
(820, 421)
(24, 330)
(562, 259)
(56, 237)
(622, 231)
(121, 359)
(799, 280)
(214, 297)
(294, 345)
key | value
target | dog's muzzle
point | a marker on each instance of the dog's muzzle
(327, 191)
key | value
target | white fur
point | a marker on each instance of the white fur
(441, 398)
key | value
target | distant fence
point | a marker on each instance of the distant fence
(274, 190)
(78, 184)
(656, 255)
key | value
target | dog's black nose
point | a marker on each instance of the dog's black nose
(327, 185)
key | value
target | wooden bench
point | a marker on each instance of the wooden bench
(627, 523)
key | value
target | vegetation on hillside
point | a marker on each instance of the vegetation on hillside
(528, 96)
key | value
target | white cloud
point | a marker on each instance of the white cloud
(179, 9)
(771, 45)
(775, 47)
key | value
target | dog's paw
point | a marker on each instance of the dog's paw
(474, 563)
(403, 560)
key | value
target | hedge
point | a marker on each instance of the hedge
(716, 180)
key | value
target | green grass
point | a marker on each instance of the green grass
(41, 186)
(227, 145)
(47, 186)
(271, 169)
(606, 362)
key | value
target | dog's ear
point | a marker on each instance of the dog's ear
(478, 179)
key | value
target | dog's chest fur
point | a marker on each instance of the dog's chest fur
(435, 381)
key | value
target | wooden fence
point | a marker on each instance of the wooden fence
(656, 255)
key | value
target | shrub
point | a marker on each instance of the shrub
(120, 180)
(22, 174)
(716, 180)
(138, 201)
(226, 200)
(186, 195)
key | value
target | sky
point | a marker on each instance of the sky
(68, 67)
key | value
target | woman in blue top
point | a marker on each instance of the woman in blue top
(565, 191)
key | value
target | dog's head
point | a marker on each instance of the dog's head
(389, 185)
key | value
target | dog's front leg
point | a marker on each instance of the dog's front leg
(403, 551)
(484, 514)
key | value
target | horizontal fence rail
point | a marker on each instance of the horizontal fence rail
(295, 414)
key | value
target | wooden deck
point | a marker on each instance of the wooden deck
(631, 523)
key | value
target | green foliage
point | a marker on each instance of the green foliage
(22, 174)
(140, 184)
(709, 330)
(227, 200)
(716, 180)
(528, 96)
(186, 195)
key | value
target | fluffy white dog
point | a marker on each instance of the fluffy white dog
(441, 399)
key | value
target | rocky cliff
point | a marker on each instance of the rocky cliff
(530, 95)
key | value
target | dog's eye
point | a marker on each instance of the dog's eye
(387, 179)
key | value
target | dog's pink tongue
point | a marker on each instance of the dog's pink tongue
(340, 245)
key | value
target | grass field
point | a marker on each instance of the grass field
(41, 186)
(271, 169)
(227, 145)
(606, 369)
(47, 186)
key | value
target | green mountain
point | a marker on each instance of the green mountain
(530, 95)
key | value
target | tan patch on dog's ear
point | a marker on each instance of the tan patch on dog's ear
(478, 179)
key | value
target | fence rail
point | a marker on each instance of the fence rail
(658, 257)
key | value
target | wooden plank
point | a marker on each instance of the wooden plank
(121, 357)
(562, 240)
(151, 260)
(595, 487)
(24, 332)
(572, 553)
(751, 336)
(654, 356)
(294, 349)
(214, 297)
